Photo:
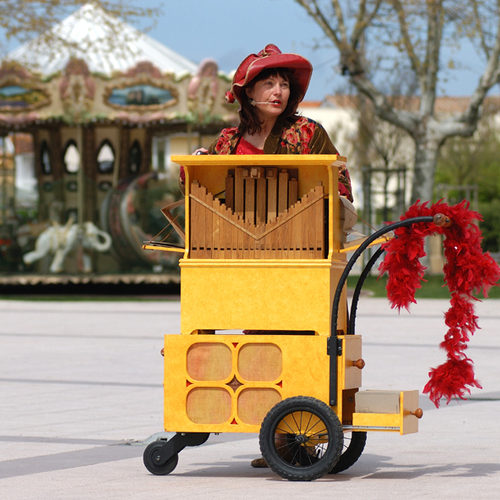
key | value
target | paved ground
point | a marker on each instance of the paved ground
(81, 394)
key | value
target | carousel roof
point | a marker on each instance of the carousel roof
(104, 42)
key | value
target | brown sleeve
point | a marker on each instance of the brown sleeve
(211, 148)
(320, 143)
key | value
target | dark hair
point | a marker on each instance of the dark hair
(249, 119)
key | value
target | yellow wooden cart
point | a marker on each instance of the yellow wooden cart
(266, 344)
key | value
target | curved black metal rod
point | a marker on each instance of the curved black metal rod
(351, 321)
(357, 253)
(333, 347)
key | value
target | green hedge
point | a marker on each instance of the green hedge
(433, 288)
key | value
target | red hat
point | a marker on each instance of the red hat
(270, 57)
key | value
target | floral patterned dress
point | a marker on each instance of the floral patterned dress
(298, 136)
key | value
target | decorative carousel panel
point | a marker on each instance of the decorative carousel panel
(141, 96)
(18, 97)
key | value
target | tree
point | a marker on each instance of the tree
(33, 20)
(409, 37)
(471, 166)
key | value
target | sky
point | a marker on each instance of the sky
(229, 30)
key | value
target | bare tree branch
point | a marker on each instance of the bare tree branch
(312, 8)
(406, 39)
(466, 123)
(433, 50)
(479, 27)
(363, 20)
(26, 19)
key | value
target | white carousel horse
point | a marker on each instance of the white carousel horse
(60, 240)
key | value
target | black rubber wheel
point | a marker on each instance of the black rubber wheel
(353, 448)
(152, 459)
(301, 438)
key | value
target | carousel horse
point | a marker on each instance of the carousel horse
(60, 240)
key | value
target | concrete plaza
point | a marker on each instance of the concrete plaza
(81, 395)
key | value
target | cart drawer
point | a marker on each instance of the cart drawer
(396, 411)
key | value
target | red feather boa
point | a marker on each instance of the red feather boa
(468, 271)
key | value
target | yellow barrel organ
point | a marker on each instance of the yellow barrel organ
(263, 254)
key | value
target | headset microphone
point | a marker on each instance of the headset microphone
(253, 103)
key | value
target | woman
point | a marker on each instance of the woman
(269, 87)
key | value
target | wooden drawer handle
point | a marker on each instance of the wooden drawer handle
(419, 413)
(359, 363)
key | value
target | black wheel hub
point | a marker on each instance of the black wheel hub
(301, 439)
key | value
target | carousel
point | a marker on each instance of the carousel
(98, 127)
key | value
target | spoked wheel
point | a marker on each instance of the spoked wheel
(353, 448)
(154, 462)
(301, 438)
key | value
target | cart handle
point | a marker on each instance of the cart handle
(438, 219)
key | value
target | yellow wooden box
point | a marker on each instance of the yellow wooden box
(228, 381)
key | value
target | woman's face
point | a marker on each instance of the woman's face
(270, 96)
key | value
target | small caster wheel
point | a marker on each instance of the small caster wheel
(153, 459)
